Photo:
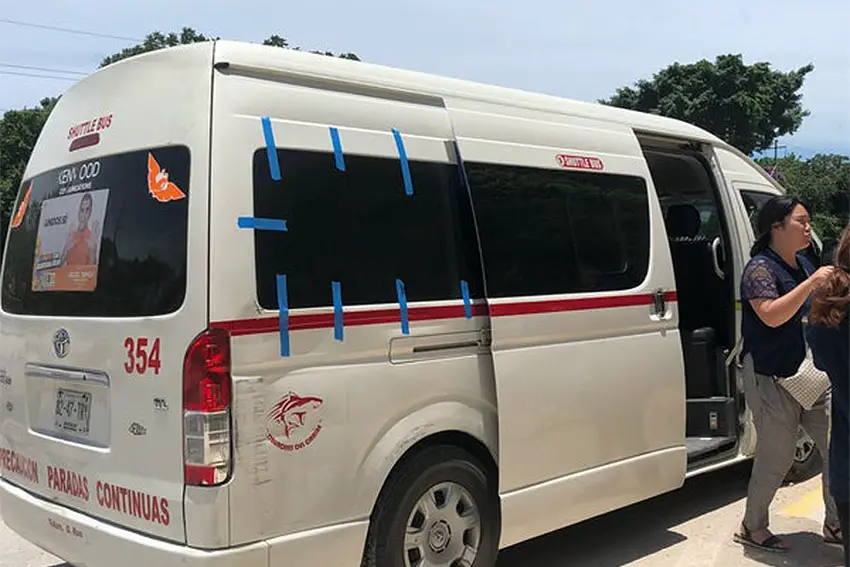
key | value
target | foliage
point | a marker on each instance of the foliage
(822, 182)
(19, 130)
(157, 40)
(277, 41)
(748, 106)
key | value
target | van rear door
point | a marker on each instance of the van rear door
(104, 290)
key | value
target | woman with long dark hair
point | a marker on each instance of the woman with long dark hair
(775, 289)
(829, 337)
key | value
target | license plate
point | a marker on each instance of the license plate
(73, 411)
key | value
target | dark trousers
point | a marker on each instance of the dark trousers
(844, 518)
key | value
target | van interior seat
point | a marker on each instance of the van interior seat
(691, 261)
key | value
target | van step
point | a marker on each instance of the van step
(700, 447)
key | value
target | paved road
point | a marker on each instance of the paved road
(689, 528)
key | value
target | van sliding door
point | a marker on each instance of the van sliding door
(588, 364)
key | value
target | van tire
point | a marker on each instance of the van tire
(807, 460)
(406, 487)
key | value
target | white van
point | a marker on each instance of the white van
(263, 307)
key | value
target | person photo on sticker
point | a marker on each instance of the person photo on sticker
(81, 247)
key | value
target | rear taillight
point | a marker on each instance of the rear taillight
(206, 409)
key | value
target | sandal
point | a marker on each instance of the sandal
(834, 537)
(770, 544)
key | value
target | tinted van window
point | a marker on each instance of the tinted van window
(753, 202)
(551, 231)
(101, 238)
(359, 227)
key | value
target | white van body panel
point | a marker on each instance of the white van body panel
(378, 399)
(89, 541)
(564, 396)
(552, 353)
(161, 99)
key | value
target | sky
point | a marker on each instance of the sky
(582, 51)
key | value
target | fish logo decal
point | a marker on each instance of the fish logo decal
(159, 186)
(22, 209)
(290, 417)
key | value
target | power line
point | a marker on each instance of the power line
(48, 69)
(67, 30)
(38, 76)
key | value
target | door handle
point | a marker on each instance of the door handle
(715, 259)
(659, 302)
(658, 309)
(438, 345)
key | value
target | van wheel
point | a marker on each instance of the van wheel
(807, 460)
(439, 509)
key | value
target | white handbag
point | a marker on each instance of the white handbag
(808, 384)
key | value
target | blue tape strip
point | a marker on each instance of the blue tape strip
(405, 167)
(262, 224)
(467, 304)
(340, 159)
(283, 305)
(271, 148)
(402, 303)
(337, 292)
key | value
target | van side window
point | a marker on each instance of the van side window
(360, 228)
(754, 201)
(551, 231)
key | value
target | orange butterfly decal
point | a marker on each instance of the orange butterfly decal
(22, 209)
(159, 186)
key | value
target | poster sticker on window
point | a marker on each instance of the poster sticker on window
(159, 186)
(22, 208)
(68, 241)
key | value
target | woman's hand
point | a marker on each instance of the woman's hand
(820, 276)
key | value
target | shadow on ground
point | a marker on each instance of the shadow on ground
(627, 535)
(806, 550)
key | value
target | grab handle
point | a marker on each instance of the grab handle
(715, 258)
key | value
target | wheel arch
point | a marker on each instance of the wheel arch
(451, 438)
(473, 429)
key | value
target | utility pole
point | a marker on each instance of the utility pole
(776, 147)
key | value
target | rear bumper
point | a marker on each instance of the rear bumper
(85, 541)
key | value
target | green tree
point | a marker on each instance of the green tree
(19, 131)
(748, 106)
(157, 40)
(823, 182)
(277, 41)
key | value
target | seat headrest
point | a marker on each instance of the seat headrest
(683, 221)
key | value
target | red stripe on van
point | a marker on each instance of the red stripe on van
(302, 322)
(584, 304)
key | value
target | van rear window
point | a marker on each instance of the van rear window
(104, 237)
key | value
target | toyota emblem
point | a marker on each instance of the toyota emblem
(61, 343)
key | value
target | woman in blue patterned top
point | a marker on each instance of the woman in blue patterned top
(775, 290)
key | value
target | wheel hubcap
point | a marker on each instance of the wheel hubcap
(805, 446)
(439, 536)
(443, 529)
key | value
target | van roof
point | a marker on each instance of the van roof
(289, 61)
(270, 62)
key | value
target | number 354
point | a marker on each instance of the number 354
(141, 355)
